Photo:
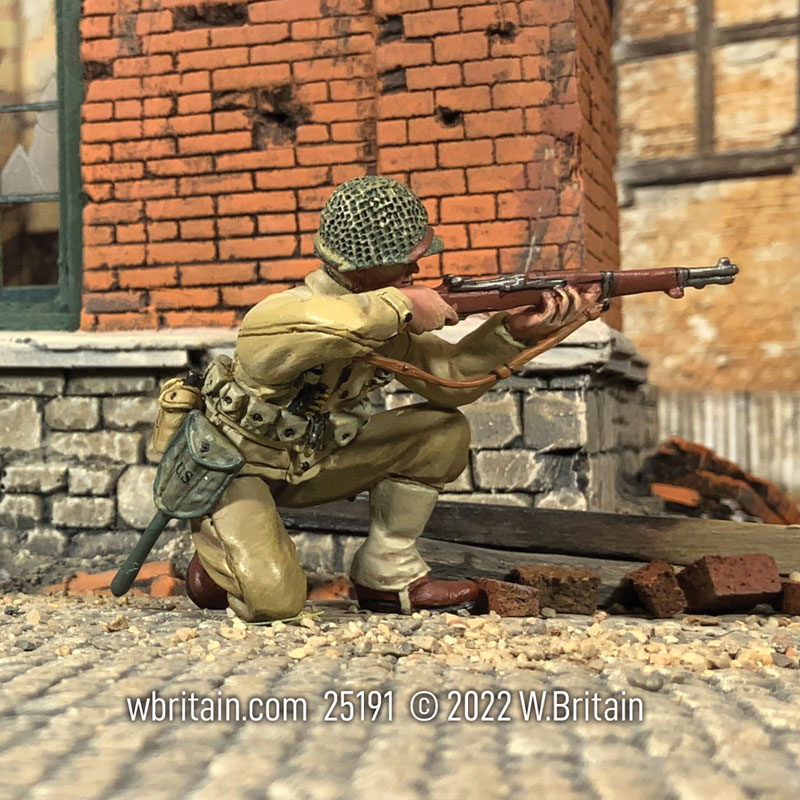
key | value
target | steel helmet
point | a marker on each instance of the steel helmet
(373, 221)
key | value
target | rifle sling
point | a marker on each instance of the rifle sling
(500, 372)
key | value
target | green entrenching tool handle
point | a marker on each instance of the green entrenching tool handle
(127, 573)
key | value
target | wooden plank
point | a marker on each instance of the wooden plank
(722, 166)
(704, 115)
(679, 540)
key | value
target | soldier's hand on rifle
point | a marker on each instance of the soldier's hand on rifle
(429, 311)
(562, 307)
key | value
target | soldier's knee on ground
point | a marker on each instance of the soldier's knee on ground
(270, 596)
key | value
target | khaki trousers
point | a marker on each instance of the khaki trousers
(244, 545)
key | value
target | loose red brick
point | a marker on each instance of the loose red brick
(349, 131)
(148, 278)
(259, 247)
(467, 98)
(200, 319)
(470, 262)
(93, 7)
(183, 298)
(99, 213)
(568, 590)
(507, 599)
(217, 183)
(217, 274)
(790, 597)
(113, 89)
(430, 23)
(144, 189)
(725, 584)
(247, 77)
(162, 231)
(480, 124)
(277, 223)
(466, 154)
(128, 109)
(236, 226)
(499, 233)
(249, 34)
(533, 204)
(97, 112)
(158, 106)
(181, 126)
(180, 166)
(344, 172)
(95, 153)
(180, 252)
(113, 255)
(405, 104)
(496, 179)
(273, 158)
(197, 229)
(432, 77)
(340, 111)
(128, 234)
(248, 296)
(439, 183)
(468, 208)
(180, 208)
(493, 70)
(111, 131)
(461, 46)
(656, 586)
(286, 269)
(148, 22)
(313, 93)
(402, 54)
(257, 202)
(215, 142)
(213, 58)
(312, 134)
(194, 103)
(286, 52)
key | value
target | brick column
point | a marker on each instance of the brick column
(213, 133)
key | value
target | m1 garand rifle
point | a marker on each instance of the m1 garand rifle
(501, 292)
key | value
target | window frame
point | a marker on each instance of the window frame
(58, 307)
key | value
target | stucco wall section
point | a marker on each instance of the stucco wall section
(721, 338)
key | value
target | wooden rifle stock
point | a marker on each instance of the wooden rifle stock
(501, 292)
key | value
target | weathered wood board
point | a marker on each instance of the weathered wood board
(678, 540)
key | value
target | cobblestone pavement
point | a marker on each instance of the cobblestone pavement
(720, 699)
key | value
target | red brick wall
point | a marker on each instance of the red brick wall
(214, 133)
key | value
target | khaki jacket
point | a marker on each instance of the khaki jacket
(294, 390)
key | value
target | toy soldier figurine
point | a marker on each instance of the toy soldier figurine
(294, 402)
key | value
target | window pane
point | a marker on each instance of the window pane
(28, 153)
(29, 244)
(28, 45)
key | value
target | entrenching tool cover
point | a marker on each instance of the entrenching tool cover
(195, 470)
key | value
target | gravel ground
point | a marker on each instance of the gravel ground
(720, 701)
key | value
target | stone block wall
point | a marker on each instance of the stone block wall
(214, 132)
(76, 472)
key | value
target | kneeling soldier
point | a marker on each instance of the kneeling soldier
(294, 402)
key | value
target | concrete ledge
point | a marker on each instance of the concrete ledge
(123, 350)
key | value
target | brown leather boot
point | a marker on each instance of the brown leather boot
(425, 592)
(201, 589)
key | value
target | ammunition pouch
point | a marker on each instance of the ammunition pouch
(175, 401)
